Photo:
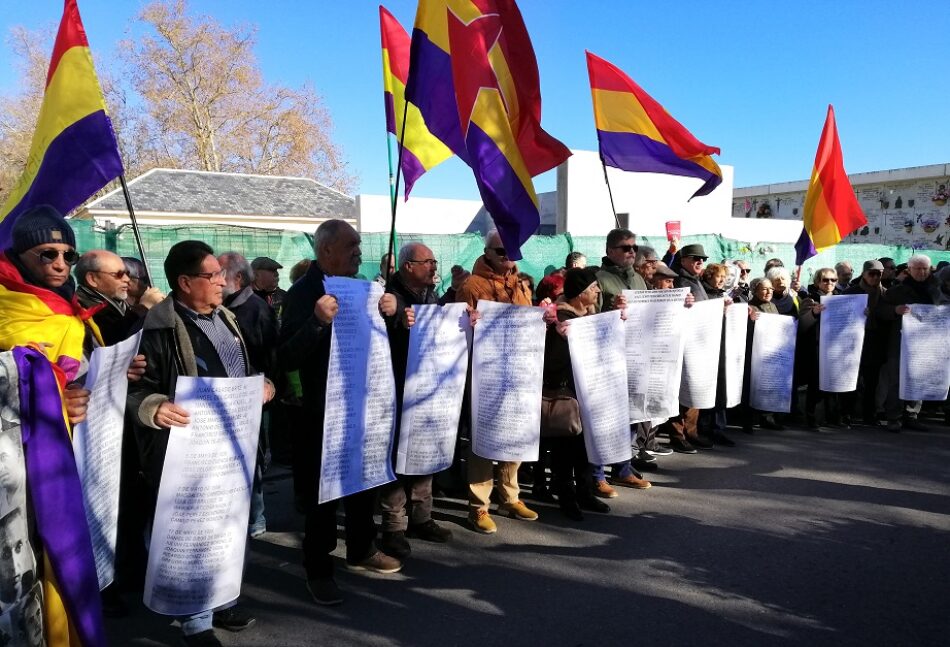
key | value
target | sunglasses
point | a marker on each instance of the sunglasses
(873, 272)
(697, 258)
(834, 280)
(744, 272)
(500, 251)
(626, 248)
(118, 274)
(49, 256)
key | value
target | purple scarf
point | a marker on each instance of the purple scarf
(57, 495)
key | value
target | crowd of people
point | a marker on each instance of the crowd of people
(225, 316)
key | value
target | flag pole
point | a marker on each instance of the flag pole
(613, 209)
(135, 227)
(395, 191)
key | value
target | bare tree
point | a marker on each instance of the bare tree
(208, 106)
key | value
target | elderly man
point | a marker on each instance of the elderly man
(266, 282)
(740, 291)
(494, 278)
(889, 273)
(305, 346)
(189, 333)
(103, 279)
(874, 350)
(645, 264)
(387, 267)
(844, 271)
(407, 502)
(258, 325)
(617, 272)
(920, 287)
(575, 260)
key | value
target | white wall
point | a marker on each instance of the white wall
(417, 216)
(652, 199)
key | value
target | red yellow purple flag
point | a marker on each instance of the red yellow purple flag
(474, 77)
(74, 151)
(422, 150)
(831, 208)
(637, 134)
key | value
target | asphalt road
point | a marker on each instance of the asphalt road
(792, 537)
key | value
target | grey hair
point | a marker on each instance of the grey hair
(236, 264)
(642, 252)
(489, 234)
(88, 262)
(405, 252)
(841, 264)
(754, 283)
(326, 232)
(777, 271)
(919, 259)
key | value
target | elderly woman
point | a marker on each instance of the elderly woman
(761, 291)
(711, 423)
(806, 351)
(785, 296)
(571, 472)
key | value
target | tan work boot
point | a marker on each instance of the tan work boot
(632, 481)
(517, 510)
(481, 521)
(604, 491)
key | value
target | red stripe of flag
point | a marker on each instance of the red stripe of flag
(71, 34)
(396, 41)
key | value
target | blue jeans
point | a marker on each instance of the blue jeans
(619, 470)
(198, 622)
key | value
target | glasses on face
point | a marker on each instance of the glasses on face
(49, 256)
(500, 251)
(118, 274)
(744, 272)
(626, 248)
(695, 259)
(211, 276)
(426, 261)
(828, 279)
(873, 272)
(651, 262)
(764, 289)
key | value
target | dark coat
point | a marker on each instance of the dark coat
(170, 350)
(558, 371)
(258, 324)
(117, 322)
(876, 328)
(694, 283)
(396, 326)
(613, 280)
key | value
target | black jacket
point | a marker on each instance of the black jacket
(170, 350)
(117, 322)
(258, 325)
(694, 283)
(396, 326)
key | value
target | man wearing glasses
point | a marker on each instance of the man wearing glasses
(406, 503)
(104, 280)
(191, 334)
(740, 291)
(617, 272)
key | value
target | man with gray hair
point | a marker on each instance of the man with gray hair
(406, 503)
(103, 279)
(920, 287)
(845, 271)
(304, 346)
(645, 263)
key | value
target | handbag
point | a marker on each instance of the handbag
(560, 414)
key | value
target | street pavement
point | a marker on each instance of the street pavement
(792, 537)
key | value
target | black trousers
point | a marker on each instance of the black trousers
(320, 532)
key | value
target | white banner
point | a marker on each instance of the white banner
(654, 348)
(925, 353)
(702, 339)
(737, 330)
(97, 446)
(196, 556)
(507, 363)
(840, 339)
(435, 386)
(360, 413)
(773, 362)
(600, 377)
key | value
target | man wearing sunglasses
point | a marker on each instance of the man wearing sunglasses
(740, 291)
(617, 272)
(104, 281)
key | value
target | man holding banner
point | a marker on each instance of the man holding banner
(187, 334)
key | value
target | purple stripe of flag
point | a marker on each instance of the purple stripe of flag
(78, 162)
(390, 112)
(431, 89)
(412, 169)
(505, 197)
(633, 152)
(804, 248)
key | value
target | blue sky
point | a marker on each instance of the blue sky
(753, 78)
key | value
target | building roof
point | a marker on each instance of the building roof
(172, 191)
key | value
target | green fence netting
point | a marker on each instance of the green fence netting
(542, 254)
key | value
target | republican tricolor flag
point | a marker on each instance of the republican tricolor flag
(422, 150)
(74, 151)
(831, 207)
(637, 134)
(474, 77)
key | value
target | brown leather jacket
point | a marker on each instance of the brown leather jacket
(485, 284)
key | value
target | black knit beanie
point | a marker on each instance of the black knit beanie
(40, 225)
(577, 280)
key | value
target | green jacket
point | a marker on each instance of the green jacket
(613, 280)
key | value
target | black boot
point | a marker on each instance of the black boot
(567, 502)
